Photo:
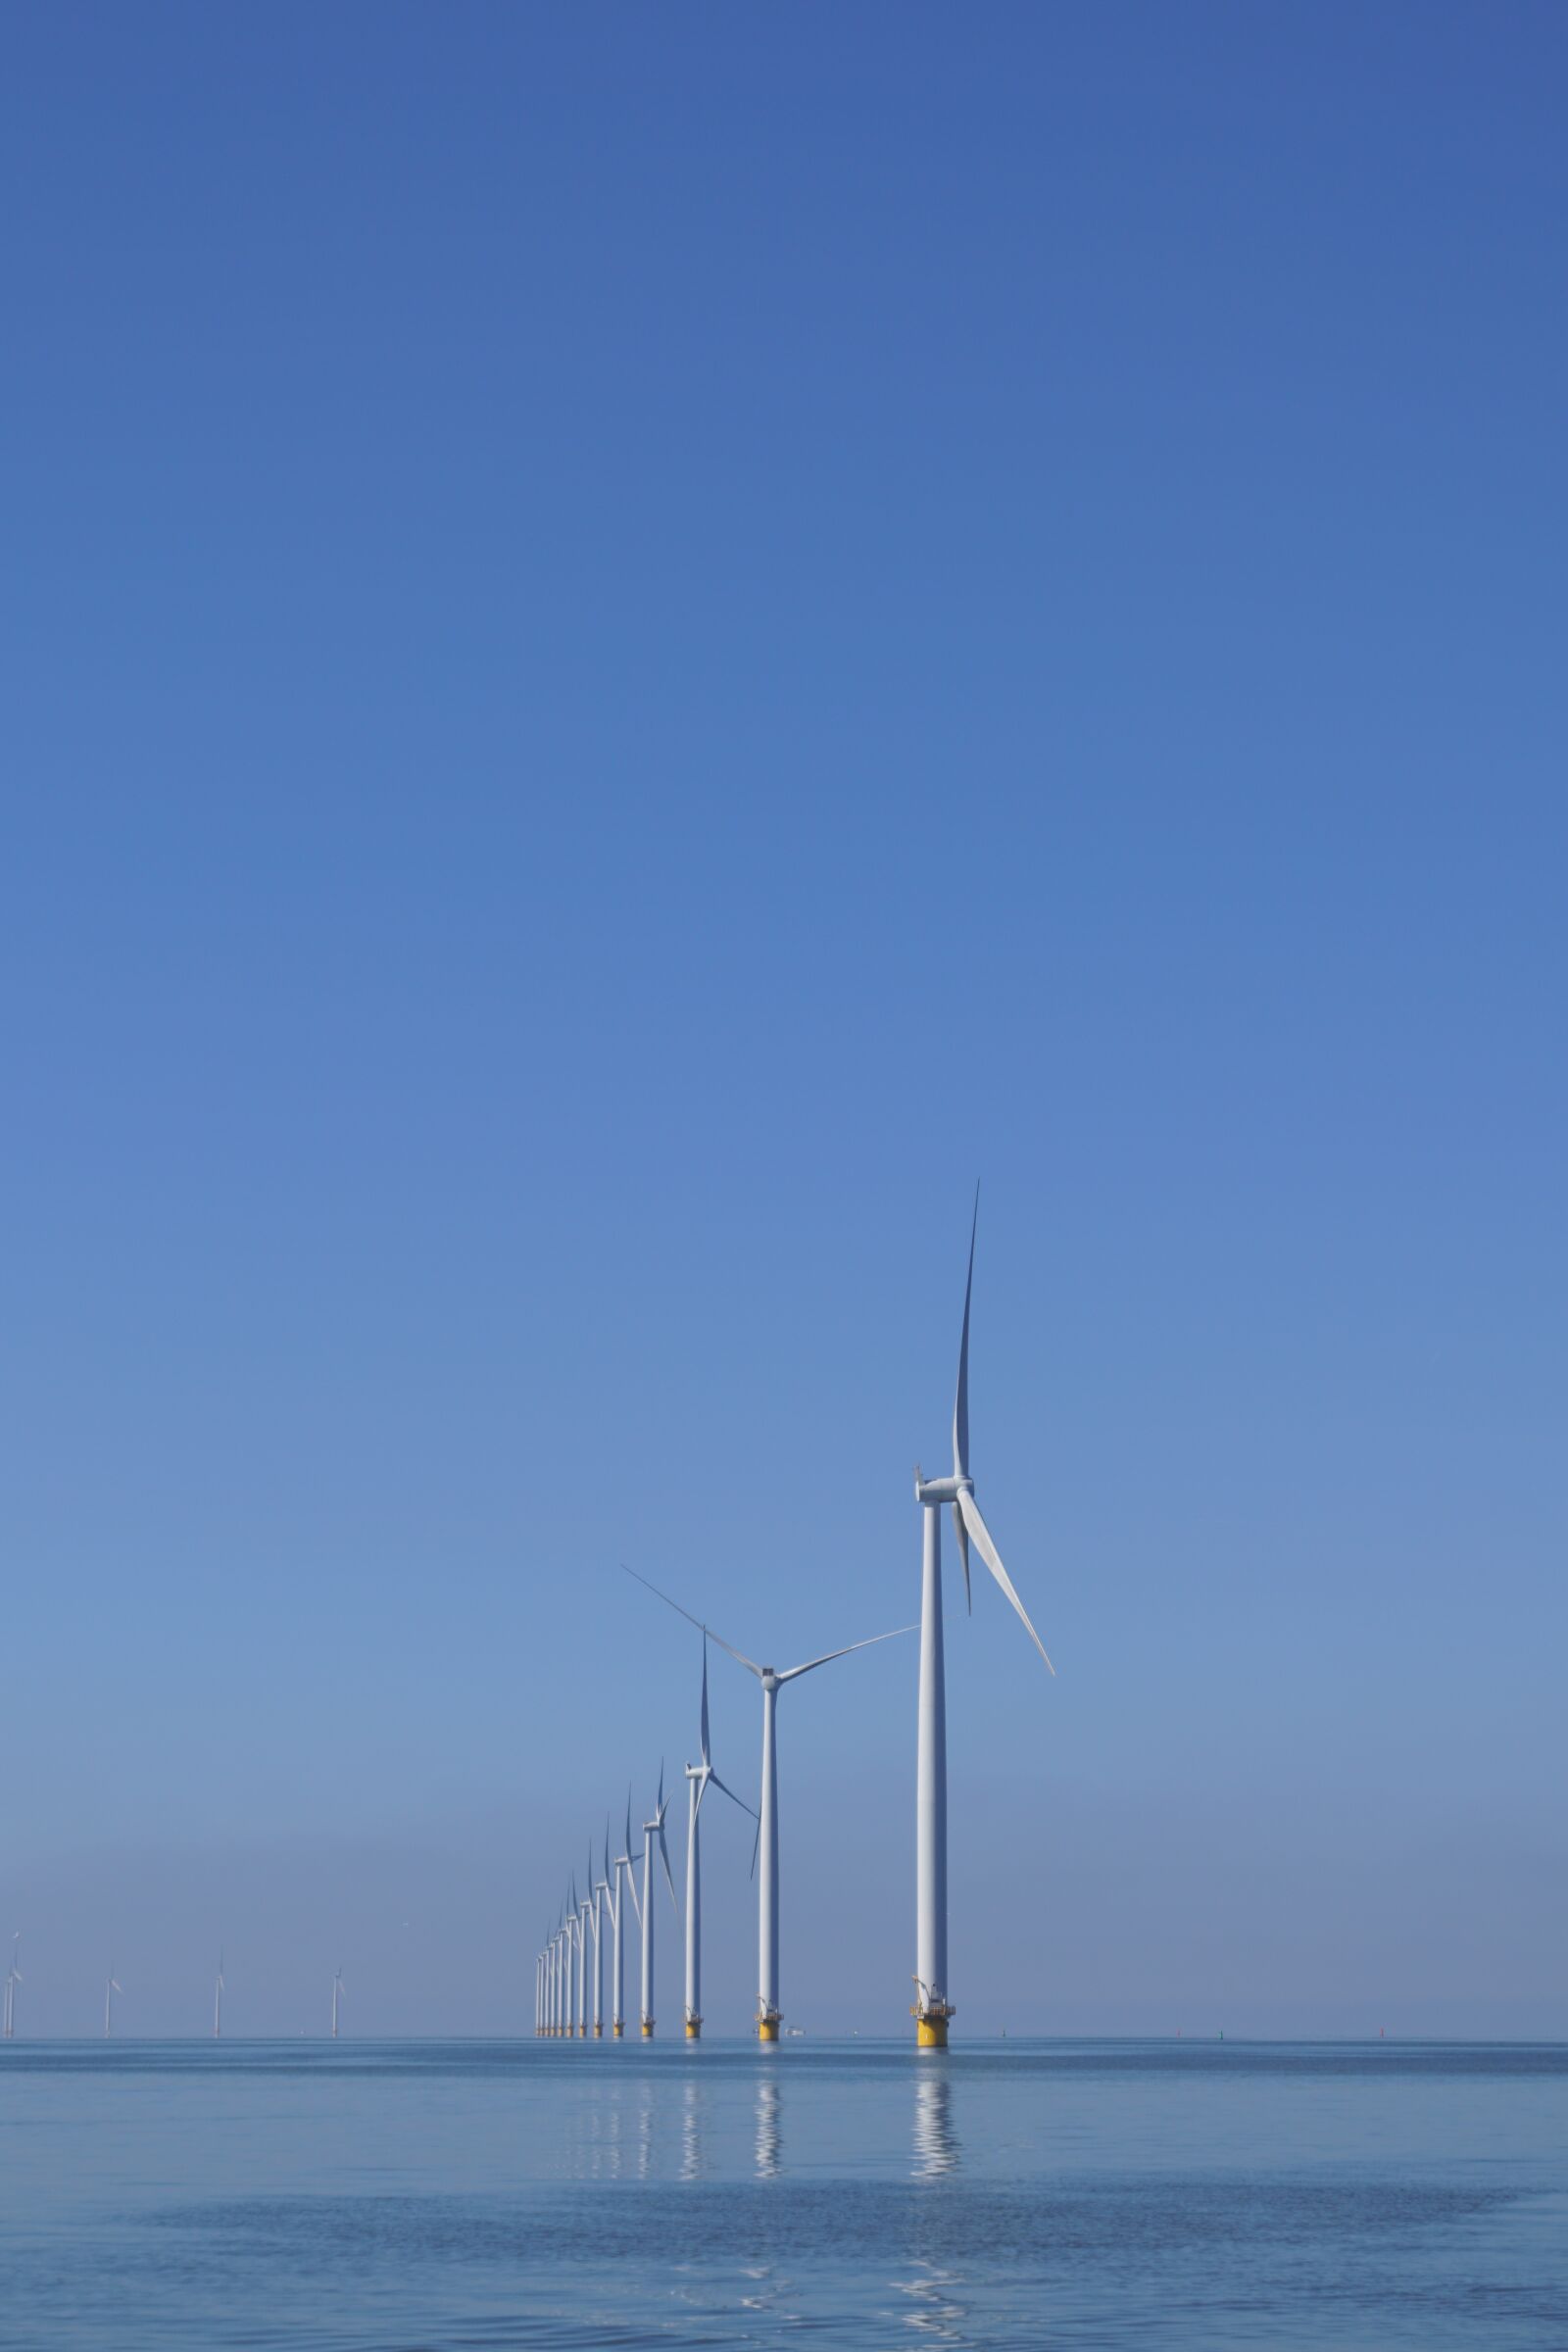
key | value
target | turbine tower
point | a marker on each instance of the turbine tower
(768, 2014)
(652, 1830)
(698, 1778)
(217, 2002)
(13, 1980)
(337, 1995)
(112, 1987)
(933, 2007)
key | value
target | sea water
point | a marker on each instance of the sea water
(423, 2197)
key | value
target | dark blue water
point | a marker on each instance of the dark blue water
(426, 2197)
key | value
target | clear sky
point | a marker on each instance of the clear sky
(639, 640)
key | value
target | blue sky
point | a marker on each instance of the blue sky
(640, 641)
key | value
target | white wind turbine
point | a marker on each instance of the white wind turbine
(772, 1679)
(337, 1995)
(574, 1961)
(652, 1830)
(623, 1862)
(112, 1987)
(217, 2001)
(584, 1922)
(604, 1898)
(933, 2007)
(562, 1976)
(698, 1778)
(593, 1913)
(13, 1980)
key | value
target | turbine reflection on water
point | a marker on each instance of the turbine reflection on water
(691, 2137)
(935, 2143)
(768, 2139)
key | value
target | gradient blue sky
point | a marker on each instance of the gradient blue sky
(638, 641)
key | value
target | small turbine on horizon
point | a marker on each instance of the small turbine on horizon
(217, 2001)
(13, 1980)
(337, 1995)
(112, 1987)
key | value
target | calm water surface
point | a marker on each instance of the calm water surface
(426, 2197)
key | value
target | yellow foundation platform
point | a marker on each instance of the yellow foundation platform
(599, 2032)
(617, 2032)
(931, 2024)
(694, 2029)
(648, 2029)
(767, 2029)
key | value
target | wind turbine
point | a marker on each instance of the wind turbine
(593, 1918)
(623, 1862)
(698, 1778)
(337, 1995)
(933, 2008)
(605, 1899)
(585, 1911)
(652, 1830)
(112, 1987)
(13, 1980)
(217, 2001)
(769, 2017)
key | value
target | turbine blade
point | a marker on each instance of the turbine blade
(733, 1798)
(993, 1560)
(790, 1672)
(963, 1533)
(961, 1402)
(664, 1856)
(757, 1845)
(705, 1696)
(739, 1657)
(631, 1880)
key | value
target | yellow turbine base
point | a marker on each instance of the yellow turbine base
(599, 2032)
(618, 2029)
(648, 2029)
(694, 2029)
(767, 2029)
(930, 2033)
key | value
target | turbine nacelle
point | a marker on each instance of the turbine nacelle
(941, 1489)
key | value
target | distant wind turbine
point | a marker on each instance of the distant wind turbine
(217, 2001)
(698, 1778)
(584, 1907)
(593, 1914)
(768, 2014)
(13, 1980)
(934, 2007)
(623, 1887)
(112, 1987)
(652, 1830)
(337, 1995)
